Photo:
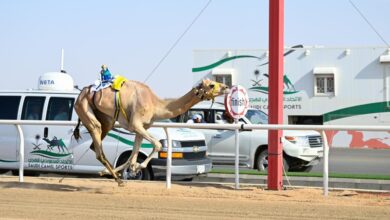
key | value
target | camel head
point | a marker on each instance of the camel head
(208, 89)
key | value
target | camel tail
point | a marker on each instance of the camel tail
(76, 131)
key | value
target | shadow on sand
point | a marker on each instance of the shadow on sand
(43, 186)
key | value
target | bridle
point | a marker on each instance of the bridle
(202, 94)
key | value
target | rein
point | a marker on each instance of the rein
(119, 107)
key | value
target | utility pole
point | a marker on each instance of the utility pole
(275, 95)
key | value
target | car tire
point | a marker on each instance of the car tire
(25, 173)
(143, 174)
(262, 162)
(188, 179)
(2, 171)
(302, 169)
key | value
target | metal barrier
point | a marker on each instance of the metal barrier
(320, 128)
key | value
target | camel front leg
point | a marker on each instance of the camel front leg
(133, 157)
(157, 147)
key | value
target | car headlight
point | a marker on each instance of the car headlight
(175, 144)
(298, 140)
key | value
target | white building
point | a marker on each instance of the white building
(322, 85)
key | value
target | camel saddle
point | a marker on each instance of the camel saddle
(118, 82)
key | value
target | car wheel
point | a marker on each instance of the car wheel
(302, 169)
(188, 179)
(143, 174)
(25, 173)
(3, 171)
(262, 161)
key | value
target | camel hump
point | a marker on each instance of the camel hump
(118, 82)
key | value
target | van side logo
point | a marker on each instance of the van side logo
(55, 148)
(258, 87)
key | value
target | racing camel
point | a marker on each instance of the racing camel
(135, 107)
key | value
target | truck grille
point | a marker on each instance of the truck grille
(315, 141)
(193, 143)
(194, 155)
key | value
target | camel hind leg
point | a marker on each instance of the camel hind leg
(96, 134)
(95, 129)
(107, 123)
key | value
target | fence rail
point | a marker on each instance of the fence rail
(320, 128)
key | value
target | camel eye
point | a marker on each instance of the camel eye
(212, 86)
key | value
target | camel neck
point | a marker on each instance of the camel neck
(171, 108)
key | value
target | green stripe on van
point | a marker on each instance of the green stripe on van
(8, 161)
(370, 108)
(125, 141)
(49, 154)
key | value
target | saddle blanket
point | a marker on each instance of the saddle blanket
(99, 85)
(116, 83)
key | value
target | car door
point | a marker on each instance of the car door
(33, 109)
(223, 142)
(47, 146)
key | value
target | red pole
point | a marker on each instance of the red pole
(275, 96)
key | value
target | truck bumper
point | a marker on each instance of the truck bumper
(182, 167)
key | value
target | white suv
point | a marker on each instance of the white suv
(301, 149)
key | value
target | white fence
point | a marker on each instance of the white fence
(319, 128)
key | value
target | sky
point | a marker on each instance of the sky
(131, 37)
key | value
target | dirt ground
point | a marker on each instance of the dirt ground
(47, 198)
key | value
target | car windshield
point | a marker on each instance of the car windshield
(256, 116)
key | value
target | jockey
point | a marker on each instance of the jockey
(105, 74)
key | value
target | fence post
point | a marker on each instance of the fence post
(21, 153)
(169, 158)
(237, 157)
(326, 162)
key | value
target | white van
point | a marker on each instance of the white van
(53, 149)
(301, 149)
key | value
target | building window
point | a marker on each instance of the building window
(324, 85)
(224, 78)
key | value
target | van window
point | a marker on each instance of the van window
(60, 109)
(11, 111)
(32, 108)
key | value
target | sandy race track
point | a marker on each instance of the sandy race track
(46, 198)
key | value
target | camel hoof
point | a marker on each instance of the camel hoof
(133, 173)
(135, 168)
(121, 184)
(142, 166)
(104, 172)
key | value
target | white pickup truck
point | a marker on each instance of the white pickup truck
(301, 149)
